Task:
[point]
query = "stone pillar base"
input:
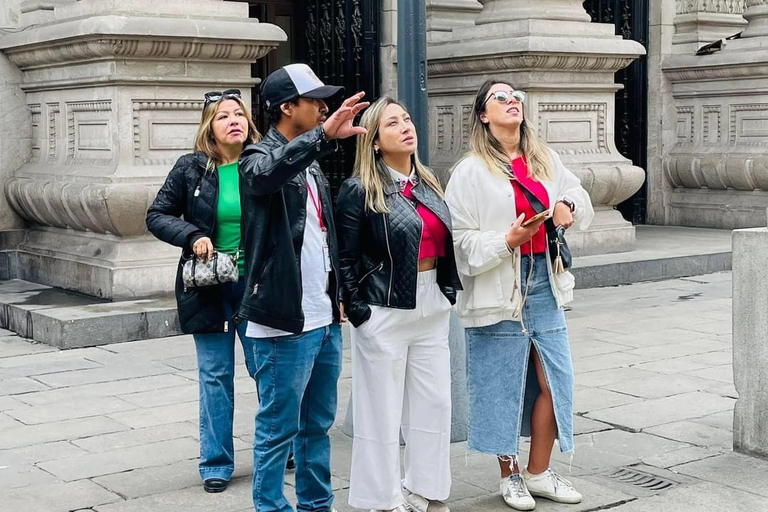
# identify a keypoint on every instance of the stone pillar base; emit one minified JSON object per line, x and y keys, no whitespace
{"x":750,"y":340}
{"x":718,"y":209}
{"x":106,"y":266}
{"x":609,"y":233}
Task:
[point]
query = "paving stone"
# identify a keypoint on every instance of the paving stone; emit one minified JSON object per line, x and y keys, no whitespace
{"x":666,"y":460}
{"x":603,"y":377}
{"x":156,"y":348}
{"x":717,"y":358}
{"x":582,"y":425}
{"x":640,"y":338}
{"x":589,"y":348}
{"x":663,"y":410}
{"x":89,"y":465}
{"x":671,"y":351}
{"x":722,"y":373}
{"x":59,"y":497}
{"x":663,"y":385}
{"x":32,"y":415}
{"x":176,"y":413}
{"x":20,"y":385}
{"x":182,"y":363}
{"x":154,"y":480}
{"x":9,"y":402}
{"x":13,"y":477}
{"x":613,"y":448}
{"x":695,"y":433}
{"x":697,"y":498}
{"x":40,"y":369}
{"x":115,"y":388}
{"x":187,"y":393}
{"x":606,"y":362}
{"x":722,"y":420}
{"x":593,"y":399}
{"x":672,"y":366}
{"x":732,"y":470}
{"x":138,"y":437}
{"x":192,"y":499}
{"x":6,"y":422}
{"x":39,"y":453}
{"x":12,"y":345}
{"x":63,"y":430}
{"x":50,"y":358}
{"x":106,"y":374}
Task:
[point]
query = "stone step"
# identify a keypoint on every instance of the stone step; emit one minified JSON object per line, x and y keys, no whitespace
{"x":68,"y":320}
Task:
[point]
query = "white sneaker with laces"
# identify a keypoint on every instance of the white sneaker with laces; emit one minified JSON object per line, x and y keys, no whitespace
{"x":515,"y":493}
{"x":421,"y":504}
{"x":552,"y":486}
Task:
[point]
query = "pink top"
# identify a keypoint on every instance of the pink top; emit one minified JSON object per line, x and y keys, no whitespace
{"x":433,"y":232}
{"x":522,"y":205}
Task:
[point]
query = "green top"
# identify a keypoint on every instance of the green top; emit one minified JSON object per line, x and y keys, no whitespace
{"x":228,"y":214}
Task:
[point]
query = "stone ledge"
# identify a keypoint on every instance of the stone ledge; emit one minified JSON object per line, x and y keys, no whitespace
{"x":68,"y":320}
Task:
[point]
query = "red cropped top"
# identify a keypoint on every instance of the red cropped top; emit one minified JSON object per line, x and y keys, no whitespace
{"x":433,"y":231}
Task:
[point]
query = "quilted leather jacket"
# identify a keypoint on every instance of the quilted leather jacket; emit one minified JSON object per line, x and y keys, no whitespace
{"x":379,"y":253}
{"x":183,"y":211}
{"x":273,"y":194}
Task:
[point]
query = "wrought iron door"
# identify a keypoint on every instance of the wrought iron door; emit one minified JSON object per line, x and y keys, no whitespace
{"x":631,"y":19}
{"x":341,"y":43}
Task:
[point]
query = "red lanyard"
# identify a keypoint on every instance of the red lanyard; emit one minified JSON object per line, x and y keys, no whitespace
{"x":318,"y":205}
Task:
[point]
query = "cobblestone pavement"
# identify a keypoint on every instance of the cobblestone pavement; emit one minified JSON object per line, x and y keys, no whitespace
{"x":114,"y":428}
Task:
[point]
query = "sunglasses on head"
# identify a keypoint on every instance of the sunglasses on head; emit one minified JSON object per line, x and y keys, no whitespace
{"x":214,"y":96}
{"x":503,"y":97}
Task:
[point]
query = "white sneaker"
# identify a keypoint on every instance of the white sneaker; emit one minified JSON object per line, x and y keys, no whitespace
{"x":552,"y":486}
{"x":515,"y":493}
{"x":399,"y":508}
{"x":421,"y":504}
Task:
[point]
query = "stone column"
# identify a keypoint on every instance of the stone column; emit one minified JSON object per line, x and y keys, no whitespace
{"x":717,"y":167}
{"x":566,"y":64}
{"x":699,"y":22}
{"x":750,"y":340}
{"x":445,"y":15}
{"x":114,"y":90}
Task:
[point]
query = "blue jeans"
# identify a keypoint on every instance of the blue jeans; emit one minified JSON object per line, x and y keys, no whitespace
{"x":296,"y":377}
{"x":216,"y":370}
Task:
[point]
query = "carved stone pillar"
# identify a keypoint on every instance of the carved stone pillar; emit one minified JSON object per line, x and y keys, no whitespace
{"x":699,"y":22}
{"x":114,"y":90}
{"x":566,"y":64}
{"x":445,"y":15}
{"x":718,"y":168}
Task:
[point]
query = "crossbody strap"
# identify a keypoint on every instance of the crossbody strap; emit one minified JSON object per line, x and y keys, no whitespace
{"x":536,"y":204}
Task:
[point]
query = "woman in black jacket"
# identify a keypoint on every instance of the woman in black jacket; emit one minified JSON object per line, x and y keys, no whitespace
{"x":399,"y":282}
{"x":198,"y":209}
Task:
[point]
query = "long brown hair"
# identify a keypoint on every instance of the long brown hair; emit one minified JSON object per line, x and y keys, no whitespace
{"x":204,"y":139}
{"x":483,"y":143}
{"x":369,"y":165}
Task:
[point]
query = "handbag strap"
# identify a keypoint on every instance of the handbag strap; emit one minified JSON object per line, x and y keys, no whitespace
{"x":536,"y":204}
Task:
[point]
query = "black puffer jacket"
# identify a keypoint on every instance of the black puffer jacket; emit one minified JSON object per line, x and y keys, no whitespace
{"x":184,"y":211}
{"x":379,"y":253}
{"x":273,"y":193}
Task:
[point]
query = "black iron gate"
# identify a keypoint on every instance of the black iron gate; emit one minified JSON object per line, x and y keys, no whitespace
{"x":630,"y":17}
{"x":339,"y":39}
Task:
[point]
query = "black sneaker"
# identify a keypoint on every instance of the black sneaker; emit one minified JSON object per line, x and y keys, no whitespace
{"x":291,"y":464}
{"x":214,"y":485}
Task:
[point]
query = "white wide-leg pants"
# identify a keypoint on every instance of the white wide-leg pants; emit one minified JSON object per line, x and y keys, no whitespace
{"x":401,"y":377}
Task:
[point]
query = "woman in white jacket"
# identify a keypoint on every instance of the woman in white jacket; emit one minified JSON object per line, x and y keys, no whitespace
{"x":519,"y":369}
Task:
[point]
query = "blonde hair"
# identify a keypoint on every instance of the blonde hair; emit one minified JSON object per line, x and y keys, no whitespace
{"x":204,"y":139}
{"x":370,"y":166}
{"x":483,"y":143}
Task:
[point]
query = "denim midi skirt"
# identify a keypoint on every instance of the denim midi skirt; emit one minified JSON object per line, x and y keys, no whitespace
{"x":501,"y":377}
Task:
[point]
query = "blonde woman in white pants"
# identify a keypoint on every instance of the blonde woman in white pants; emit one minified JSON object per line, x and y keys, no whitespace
{"x":399,"y":280}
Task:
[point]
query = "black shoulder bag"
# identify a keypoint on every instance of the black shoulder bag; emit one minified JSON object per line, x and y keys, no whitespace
{"x":559,"y":253}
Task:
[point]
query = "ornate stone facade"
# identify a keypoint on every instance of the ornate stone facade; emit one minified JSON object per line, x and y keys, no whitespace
{"x":717,"y":168}
{"x":567,"y":70}
{"x":114,"y":93}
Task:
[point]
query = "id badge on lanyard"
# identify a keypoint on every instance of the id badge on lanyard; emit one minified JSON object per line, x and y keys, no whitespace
{"x":323,"y":229}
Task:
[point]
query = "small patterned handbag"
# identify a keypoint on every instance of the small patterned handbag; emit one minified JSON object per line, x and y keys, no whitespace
{"x":221,"y":268}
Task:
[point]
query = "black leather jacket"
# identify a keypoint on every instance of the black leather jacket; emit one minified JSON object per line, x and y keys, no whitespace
{"x":273,"y":191}
{"x":379,"y":253}
{"x":183,"y":211}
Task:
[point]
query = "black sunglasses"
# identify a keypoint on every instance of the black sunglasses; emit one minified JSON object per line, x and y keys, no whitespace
{"x":213,"y":96}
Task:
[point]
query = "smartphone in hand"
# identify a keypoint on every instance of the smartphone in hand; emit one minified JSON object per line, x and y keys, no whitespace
{"x":535,"y":218}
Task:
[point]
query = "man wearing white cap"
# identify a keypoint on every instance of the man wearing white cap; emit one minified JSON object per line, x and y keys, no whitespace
{"x":292,"y":299}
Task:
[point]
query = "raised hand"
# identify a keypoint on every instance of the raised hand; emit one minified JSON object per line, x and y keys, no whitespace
{"x":339,"y":124}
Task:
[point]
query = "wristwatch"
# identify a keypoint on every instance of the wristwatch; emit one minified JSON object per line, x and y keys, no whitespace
{"x":567,"y":202}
